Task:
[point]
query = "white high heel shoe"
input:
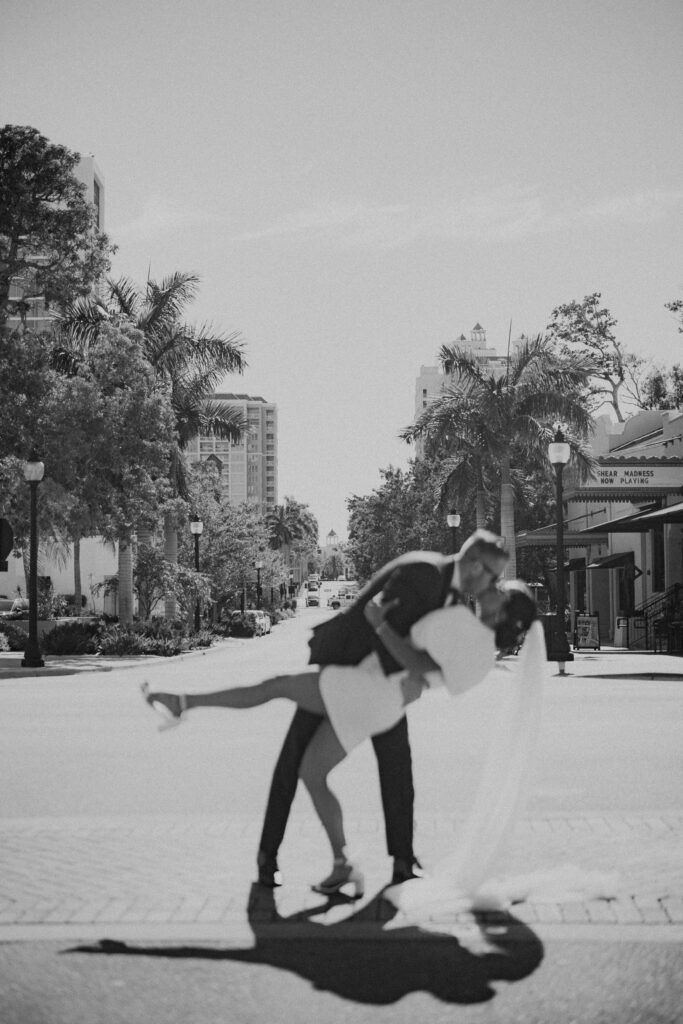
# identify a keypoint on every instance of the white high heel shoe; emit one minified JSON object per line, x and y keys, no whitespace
{"x":169,"y":720}
{"x":343,"y":874}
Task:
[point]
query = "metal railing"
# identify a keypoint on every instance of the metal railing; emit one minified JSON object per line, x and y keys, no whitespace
{"x":656,"y":614}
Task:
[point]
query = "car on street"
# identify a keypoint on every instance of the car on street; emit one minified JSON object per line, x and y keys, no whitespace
{"x":341,"y":599}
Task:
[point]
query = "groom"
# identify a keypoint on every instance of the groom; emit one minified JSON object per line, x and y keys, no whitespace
{"x":418,"y":582}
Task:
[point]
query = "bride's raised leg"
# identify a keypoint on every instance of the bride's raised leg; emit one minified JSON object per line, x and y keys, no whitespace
{"x":301,"y":687}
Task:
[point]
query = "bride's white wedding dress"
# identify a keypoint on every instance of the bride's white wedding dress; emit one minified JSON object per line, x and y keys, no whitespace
{"x":464,"y":880}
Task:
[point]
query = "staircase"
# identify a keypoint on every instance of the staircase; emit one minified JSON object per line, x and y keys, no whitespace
{"x":657,"y":613}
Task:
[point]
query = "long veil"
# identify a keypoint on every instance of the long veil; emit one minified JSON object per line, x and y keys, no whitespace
{"x":457,"y":880}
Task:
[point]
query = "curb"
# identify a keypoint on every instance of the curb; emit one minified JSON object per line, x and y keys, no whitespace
{"x":234,"y":934}
{"x":68,"y":664}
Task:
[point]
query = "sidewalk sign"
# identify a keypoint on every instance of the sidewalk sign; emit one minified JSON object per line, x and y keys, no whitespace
{"x":586,"y":631}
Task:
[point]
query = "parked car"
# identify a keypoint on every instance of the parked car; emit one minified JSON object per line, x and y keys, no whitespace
{"x":264,"y":620}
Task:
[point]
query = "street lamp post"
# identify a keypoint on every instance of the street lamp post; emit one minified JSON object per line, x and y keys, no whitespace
{"x":33,"y":474}
{"x":558,"y":453}
{"x":258,"y":566}
{"x":453,"y":520}
{"x":196,"y":528}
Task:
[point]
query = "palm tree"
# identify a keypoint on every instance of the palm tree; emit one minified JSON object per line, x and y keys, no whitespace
{"x":465,"y":470}
{"x":483,"y":424}
{"x":290,"y":523}
{"x":189,"y":361}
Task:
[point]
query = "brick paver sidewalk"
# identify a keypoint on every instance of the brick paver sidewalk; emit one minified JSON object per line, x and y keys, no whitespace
{"x":188,"y":873}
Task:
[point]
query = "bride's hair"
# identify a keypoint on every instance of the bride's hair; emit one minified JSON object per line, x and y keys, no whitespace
{"x":518,"y":612}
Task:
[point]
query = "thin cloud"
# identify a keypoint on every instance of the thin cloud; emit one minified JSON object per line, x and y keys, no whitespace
{"x":323,"y":219}
{"x":161,"y":214}
{"x":494,"y":215}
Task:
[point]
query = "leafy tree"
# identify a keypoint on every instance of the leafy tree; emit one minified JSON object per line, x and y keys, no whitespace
{"x":506,"y":419}
{"x":104,"y":434}
{"x":48,"y":232}
{"x":190,"y":361}
{"x":155,"y":577}
{"x":663,"y":389}
{"x":586,"y":328}
{"x":676,"y":307}
{"x":117,"y":469}
{"x":233,"y":539}
{"x":401,"y":515}
{"x":333,"y":567}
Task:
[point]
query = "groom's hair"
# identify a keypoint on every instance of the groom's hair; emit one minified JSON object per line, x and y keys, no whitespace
{"x":483,"y":543}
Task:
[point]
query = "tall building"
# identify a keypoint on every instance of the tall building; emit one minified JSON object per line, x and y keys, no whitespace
{"x":431,"y":381}
{"x":38,"y":316}
{"x":248,"y":469}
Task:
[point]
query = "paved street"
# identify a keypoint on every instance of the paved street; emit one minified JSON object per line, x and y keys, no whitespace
{"x":136,"y":847}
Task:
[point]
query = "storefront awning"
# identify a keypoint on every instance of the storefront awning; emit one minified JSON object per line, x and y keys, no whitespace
{"x":615,"y":561}
{"x":621,"y":524}
{"x":546,"y":537}
{"x":670,"y":514}
{"x":641,"y":521}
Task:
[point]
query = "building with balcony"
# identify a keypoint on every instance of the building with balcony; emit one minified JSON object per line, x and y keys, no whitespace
{"x":248,"y":469}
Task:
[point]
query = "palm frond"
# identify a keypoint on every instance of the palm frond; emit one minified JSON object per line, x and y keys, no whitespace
{"x":126,"y":295}
{"x":223,"y":420}
{"x":80,"y":321}
{"x":165,"y":300}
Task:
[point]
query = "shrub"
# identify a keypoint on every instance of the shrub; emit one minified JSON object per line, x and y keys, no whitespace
{"x":220,"y":628}
{"x":158,"y":637}
{"x":72,"y":638}
{"x":241,"y":626}
{"x":17,"y":638}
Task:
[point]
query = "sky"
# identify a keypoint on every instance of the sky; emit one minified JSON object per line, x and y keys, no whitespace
{"x":358,"y":182}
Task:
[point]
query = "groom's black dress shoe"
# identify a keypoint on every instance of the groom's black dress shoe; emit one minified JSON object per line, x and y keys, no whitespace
{"x":405,"y":870}
{"x":269,"y":873}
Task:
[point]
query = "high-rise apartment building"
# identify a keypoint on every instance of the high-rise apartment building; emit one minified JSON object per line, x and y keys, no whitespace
{"x":248,"y":469}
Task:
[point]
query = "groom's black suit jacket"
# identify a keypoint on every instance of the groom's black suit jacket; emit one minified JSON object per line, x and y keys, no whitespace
{"x":419,"y":581}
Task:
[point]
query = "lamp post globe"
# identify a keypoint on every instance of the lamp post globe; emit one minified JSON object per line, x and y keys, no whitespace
{"x":196,"y":529}
{"x":558,"y":454}
{"x":34,"y":470}
{"x":453,"y":522}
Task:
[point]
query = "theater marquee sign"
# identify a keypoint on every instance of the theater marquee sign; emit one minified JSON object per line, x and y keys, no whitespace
{"x":635,"y":476}
{"x":628,"y":480}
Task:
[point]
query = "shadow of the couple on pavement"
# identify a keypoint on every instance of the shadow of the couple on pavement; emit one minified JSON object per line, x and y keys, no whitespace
{"x":376,"y":963}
